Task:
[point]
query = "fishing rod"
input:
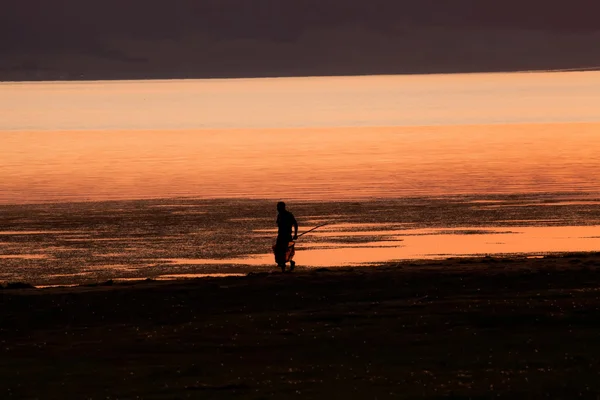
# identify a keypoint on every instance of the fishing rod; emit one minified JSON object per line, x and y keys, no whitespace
{"x":310,"y":230}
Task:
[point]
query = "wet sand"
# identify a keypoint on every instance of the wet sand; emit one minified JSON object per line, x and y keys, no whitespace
{"x":461,"y":328}
{"x":77,"y":243}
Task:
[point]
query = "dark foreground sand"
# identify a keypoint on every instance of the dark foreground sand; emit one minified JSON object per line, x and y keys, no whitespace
{"x":482,"y":328}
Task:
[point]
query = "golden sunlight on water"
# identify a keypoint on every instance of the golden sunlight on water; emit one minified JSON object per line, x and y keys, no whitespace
{"x":317,"y":163}
{"x":436,"y":244}
{"x":93,"y":241}
{"x":521,"y":150}
{"x":309,"y":138}
{"x":409,"y":100}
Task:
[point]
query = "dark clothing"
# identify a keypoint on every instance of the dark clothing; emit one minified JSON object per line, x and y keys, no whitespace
{"x":281,"y":249}
{"x":285,"y":223}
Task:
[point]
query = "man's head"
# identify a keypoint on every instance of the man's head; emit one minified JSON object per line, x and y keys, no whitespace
{"x":280,"y":206}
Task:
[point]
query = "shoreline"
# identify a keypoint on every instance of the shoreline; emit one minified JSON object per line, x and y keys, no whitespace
{"x":456,"y":263}
{"x":88,"y":243}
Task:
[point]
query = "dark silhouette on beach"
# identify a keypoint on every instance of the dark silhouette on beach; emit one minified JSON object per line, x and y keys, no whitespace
{"x":284,"y":246}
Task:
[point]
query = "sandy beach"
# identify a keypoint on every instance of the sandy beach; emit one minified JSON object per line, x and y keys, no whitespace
{"x":459,"y":328}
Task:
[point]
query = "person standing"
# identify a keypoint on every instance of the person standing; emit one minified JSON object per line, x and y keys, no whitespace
{"x":284,"y":243}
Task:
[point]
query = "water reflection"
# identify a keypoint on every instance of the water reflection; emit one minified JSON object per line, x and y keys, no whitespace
{"x":396,"y":100}
{"x":312,"y":163}
{"x":95,"y":242}
{"x":434,"y":244}
{"x":24,"y":256}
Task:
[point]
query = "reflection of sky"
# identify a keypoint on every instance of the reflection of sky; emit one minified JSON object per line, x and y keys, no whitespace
{"x":303,"y":102}
{"x":177,"y":149}
{"x":436,"y":243}
{"x":92,"y":242}
{"x":311,"y":163}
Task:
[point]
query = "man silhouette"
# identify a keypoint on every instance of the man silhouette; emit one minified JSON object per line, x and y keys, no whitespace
{"x":285,"y":222}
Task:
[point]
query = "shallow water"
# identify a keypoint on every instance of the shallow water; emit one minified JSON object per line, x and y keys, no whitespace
{"x":401,"y":167}
{"x":90,"y":242}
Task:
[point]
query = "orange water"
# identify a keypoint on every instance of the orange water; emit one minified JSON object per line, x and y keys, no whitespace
{"x":359,"y":101}
{"x":309,"y":138}
{"x":311,"y":141}
{"x":308,"y":163}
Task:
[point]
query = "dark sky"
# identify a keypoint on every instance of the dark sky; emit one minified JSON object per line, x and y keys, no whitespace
{"x":128,"y":39}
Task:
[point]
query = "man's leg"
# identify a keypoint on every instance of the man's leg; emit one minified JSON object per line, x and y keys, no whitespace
{"x":280,"y":252}
{"x":290,"y":255}
{"x":281,"y":260}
